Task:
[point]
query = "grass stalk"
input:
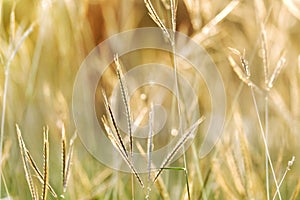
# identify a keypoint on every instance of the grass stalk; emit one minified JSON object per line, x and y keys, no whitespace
{"x":6,"y":80}
{"x":38,"y":173}
{"x":125,"y":99}
{"x":115,"y":142}
{"x":68,"y":162}
{"x":63,"y":152}
{"x":114,"y":124}
{"x":266,"y":76}
{"x":264,"y":141}
{"x":267,"y":133}
{"x":296,"y":191}
{"x":288,"y":168}
{"x":159,"y":184}
{"x":149,"y":150}
{"x":28,"y":174}
{"x":46,"y":164}
{"x":178,"y":145}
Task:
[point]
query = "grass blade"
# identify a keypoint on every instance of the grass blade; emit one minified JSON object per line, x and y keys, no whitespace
{"x":159,"y":184}
{"x":288,"y":168}
{"x":28,"y":175}
{"x":265,"y":54}
{"x":68,"y":162}
{"x":39,"y":175}
{"x":279,"y":66}
{"x":118,"y":146}
{"x":154,"y":16}
{"x":46,"y":164}
{"x":242,"y":75}
{"x":125,"y":100}
{"x":185,"y":175}
{"x":63,"y":153}
{"x":113,"y":122}
{"x":6,"y":81}
{"x":179,"y":144}
{"x":296,"y":191}
{"x":149,"y":149}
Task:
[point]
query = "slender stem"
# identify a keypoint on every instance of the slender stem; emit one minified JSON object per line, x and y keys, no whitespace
{"x":198,"y":171}
{"x":264,"y":140}
{"x":7,"y":70}
{"x":288,"y":168}
{"x":266,"y":135}
{"x":132,"y":187}
{"x":173,"y":22}
{"x":280,"y":183}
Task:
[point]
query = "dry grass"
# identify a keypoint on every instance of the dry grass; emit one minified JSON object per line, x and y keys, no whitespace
{"x":255,"y":45}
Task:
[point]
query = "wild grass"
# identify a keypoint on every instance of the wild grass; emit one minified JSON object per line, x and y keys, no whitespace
{"x":255,"y":47}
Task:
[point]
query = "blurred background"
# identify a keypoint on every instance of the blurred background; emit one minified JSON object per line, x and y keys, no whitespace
{"x":61,"y":33}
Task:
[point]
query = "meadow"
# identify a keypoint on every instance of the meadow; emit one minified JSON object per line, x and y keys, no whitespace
{"x":255,"y":46}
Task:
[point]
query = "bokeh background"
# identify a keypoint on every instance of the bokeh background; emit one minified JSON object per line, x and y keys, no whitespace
{"x":42,"y":73}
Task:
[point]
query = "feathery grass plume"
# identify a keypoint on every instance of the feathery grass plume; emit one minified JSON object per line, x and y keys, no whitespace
{"x":63,"y":151}
{"x":173,"y":6}
{"x":265,"y":54}
{"x":241,"y":74}
{"x":159,"y":184}
{"x":154,"y":16}
{"x":193,"y":7}
{"x":38,"y":173}
{"x":235,"y":172}
{"x":46,"y":163}
{"x":149,"y":149}
{"x":117,"y":145}
{"x":244,"y":75}
{"x":266,"y":76}
{"x":69,"y":162}
{"x":179,"y":144}
{"x":296,"y":191}
{"x":111,"y":135}
{"x":243,"y":61}
{"x":28,"y":175}
{"x":288,"y":168}
{"x":277,"y":70}
{"x":125,"y":99}
{"x":206,"y":30}
{"x":12,"y":24}
{"x":113,"y":122}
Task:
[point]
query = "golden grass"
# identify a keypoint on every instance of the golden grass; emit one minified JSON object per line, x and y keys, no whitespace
{"x":255,"y":45}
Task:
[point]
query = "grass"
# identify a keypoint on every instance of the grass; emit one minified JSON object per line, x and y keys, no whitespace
{"x":255,"y":47}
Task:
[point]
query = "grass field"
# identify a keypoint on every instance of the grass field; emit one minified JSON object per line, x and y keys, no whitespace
{"x":255,"y":46}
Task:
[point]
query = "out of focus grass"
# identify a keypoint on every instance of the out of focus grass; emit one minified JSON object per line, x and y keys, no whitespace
{"x":41,"y":77}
